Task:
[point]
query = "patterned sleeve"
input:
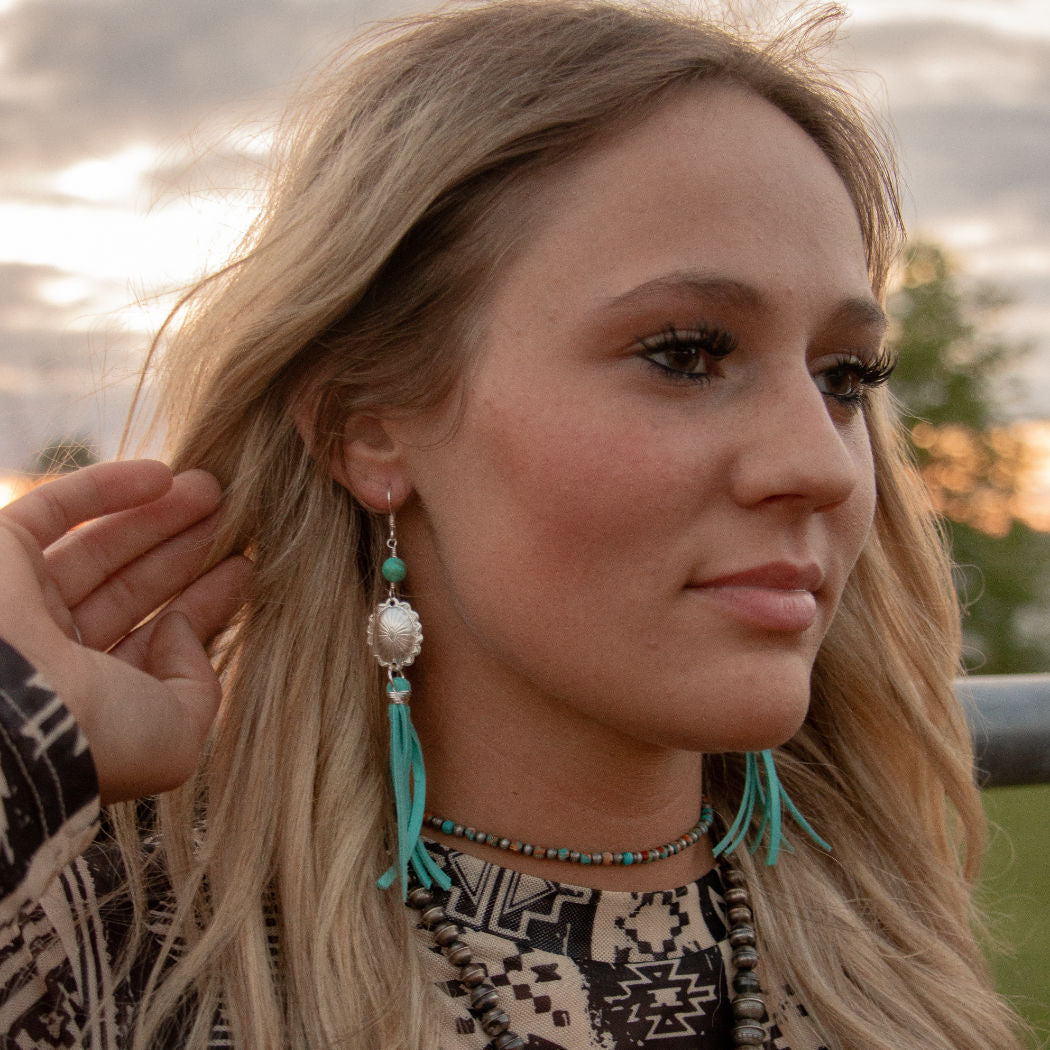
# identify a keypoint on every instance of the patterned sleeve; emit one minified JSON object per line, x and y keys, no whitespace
{"x":66,"y":920}
{"x":49,"y":811}
{"x":49,"y":803}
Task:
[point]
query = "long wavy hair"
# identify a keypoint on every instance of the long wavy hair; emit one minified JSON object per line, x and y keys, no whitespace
{"x":401,"y":184}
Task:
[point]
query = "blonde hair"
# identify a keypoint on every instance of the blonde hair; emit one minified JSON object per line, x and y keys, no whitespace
{"x":391,"y":205}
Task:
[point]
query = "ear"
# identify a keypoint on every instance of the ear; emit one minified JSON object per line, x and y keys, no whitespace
{"x":369,"y":463}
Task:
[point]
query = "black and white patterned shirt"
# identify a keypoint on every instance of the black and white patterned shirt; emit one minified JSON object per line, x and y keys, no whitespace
{"x":576,"y":968}
{"x":586,"y":969}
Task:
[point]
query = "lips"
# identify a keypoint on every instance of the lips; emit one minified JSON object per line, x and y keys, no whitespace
{"x":778,"y":596}
{"x":778,"y":575}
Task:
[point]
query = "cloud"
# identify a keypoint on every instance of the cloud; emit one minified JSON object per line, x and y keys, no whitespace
{"x":56,"y":380}
{"x":87,"y":77}
{"x":972,"y":113}
{"x":19,"y":282}
{"x":47,"y":298}
{"x":62,"y":384}
{"x":961,"y":156}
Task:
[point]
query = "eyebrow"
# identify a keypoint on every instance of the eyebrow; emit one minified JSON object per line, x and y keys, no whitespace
{"x":861,"y":312}
{"x":858,"y":311}
{"x":707,"y":286}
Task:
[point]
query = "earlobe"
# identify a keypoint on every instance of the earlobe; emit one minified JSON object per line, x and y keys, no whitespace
{"x":368,"y":463}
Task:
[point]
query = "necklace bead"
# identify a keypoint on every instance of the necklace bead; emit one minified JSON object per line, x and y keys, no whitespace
{"x":624,"y":858}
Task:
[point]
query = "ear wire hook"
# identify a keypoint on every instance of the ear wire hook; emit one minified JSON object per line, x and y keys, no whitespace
{"x":391,"y":540}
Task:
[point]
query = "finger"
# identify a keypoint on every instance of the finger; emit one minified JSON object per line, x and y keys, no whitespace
{"x":153,"y":744}
{"x":177,"y":657}
{"x":83,"y":560}
{"x":134,"y":593}
{"x":208,"y":605}
{"x":50,"y":510}
{"x":18,"y":546}
{"x":32,"y":615}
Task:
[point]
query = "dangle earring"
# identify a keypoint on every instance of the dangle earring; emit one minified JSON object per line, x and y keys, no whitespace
{"x":395,"y":638}
{"x":762,"y":788}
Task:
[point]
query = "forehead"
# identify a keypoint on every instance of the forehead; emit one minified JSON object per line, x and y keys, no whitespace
{"x":713,"y":178}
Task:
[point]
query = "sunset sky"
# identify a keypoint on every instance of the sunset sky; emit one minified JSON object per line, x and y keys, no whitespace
{"x":131,"y":132}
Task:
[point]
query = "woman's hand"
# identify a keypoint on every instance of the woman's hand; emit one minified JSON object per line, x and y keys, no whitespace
{"x":72,"y":601}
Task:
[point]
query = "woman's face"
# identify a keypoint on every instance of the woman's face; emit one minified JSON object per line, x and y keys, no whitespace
{"x":660,"y":475}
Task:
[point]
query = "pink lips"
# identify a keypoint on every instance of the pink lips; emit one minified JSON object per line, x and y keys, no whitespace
{"x":775,"y":597}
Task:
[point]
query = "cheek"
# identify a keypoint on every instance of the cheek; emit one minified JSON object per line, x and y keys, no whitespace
{"x":858,"y":514}
{"x":591,"y":484}
{"x":547,"y":511}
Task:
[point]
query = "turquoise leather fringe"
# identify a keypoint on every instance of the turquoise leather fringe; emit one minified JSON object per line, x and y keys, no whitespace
{"x":773,"y":800}
{"x":410,"y":785}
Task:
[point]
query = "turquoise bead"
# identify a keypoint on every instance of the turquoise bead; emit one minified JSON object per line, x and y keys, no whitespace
{"x":585,"y":858}
{"x":447,"y":827}
{"x":394,"y":570}
{"x":628,"y":858}
{"x":563,"y":854}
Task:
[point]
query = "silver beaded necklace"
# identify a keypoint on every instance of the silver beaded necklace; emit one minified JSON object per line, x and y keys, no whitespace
{"x":746,"y":1002}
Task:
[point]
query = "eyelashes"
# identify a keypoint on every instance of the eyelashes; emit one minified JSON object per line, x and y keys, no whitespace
{"x":691,"y":355}
{"x":848,"y":379}
{"x":687,"y":354}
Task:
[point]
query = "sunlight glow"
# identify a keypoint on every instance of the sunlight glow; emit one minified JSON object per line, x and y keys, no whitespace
{"x":113,"y":178}
{"x":989,"y":479}
{"x":66,"y":291}
{"x":1034,"y":497}
{"x":112,"y":245}
{"x":11,"y":487}
{"x":970,"y":234}
{"x":1025,"y":17}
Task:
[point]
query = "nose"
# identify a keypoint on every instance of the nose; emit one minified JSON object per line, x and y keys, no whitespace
{"x":801,"y":449}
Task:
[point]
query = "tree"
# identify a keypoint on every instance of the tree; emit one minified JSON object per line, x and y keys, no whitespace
{"x":951,"y":380}
{"x":62,"y":456}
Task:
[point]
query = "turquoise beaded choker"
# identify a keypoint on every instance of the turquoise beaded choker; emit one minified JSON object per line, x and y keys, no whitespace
{"x":572,"y":856}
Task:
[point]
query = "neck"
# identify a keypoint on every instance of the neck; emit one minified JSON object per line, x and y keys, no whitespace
{"x":529,"y":767}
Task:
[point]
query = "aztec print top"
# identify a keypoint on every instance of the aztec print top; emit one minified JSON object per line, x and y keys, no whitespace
{"x":576,"y":968}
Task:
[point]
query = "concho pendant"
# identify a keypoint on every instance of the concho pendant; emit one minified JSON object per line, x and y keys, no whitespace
{"x":395,"y":635}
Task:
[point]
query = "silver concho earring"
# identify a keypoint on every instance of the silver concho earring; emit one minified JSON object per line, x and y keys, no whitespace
{"x":395,"y":638}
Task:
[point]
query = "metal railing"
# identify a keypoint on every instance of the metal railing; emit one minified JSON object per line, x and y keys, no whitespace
{"x":1009,"y":717}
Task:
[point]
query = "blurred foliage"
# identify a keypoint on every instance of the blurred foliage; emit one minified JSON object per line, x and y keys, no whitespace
{"x":950,"y":362}
{"x":951,"y":380}
{"x":63,"y":455}
{"x":1013,"y":891}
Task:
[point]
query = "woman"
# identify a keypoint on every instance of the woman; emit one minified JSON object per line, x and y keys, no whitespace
{"x":563,"y":323}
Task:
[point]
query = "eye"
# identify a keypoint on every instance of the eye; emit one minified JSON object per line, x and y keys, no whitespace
{"x":687,"y":354}
{"x":848,"y":378}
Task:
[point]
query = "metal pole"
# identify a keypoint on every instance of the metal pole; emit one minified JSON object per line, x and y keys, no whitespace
{"x":1009,"y":717}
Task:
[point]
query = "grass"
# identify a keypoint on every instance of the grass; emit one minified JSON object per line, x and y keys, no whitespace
{"x":1016,"y":892}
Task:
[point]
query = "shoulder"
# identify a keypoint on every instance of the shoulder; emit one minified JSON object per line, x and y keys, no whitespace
{"x":74,"y":967}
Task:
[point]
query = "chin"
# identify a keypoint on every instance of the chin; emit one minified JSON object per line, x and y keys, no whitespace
{"x":758,"y":710}
{"x":746,"y":725}
{"x":761,"y":738}
{"x":764,"y":730}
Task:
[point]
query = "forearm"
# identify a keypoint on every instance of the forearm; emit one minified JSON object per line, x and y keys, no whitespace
{"x":49,"y":803}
